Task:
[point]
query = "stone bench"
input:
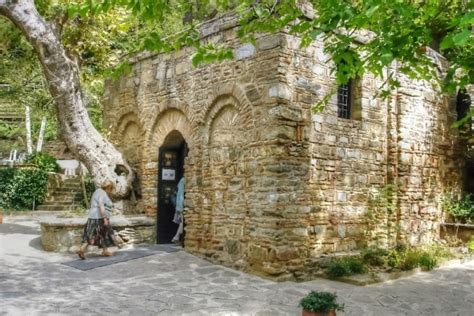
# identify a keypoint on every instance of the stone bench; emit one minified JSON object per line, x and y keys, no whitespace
{"x":64,"y":234}
{"x":461,"y":231}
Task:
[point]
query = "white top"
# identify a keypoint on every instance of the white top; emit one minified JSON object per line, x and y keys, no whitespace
{"x":99,"y":197}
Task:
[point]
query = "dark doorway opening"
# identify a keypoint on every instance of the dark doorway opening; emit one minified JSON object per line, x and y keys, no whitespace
{"x":170,"y":171}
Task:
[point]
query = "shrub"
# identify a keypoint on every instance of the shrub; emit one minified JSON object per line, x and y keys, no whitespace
{"x":6,"y":177}
{"x":375,"y":257}
{"x":22,"y":188}
{"x":28,"y":188}
{"x":427,"y":262}
{"x":337,"y":269}
{"x":410,"y":260}
{"x":461,"y":210}
{"x":355,"y":265}
{"x":394,"y":258}
{"x":346,"y":266}
{"x":321,"y":302}
{"x":470,"y":244}
{"x":90,"y":186}
{"x":43,"y":161}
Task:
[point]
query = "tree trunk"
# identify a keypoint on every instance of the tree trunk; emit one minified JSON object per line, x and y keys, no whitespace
{"x":29,"y":142}
{"x":39,"y":144}
{"x":62,"y":74}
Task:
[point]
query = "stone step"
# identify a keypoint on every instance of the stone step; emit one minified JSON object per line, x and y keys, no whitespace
{"x":66,"y":191}
{"x":76,"y":188}
{"x":64,"y":198}
{"x":38,"y":213}
{"x":66,"y":203}
{"x":69,"y":195}
{"x":57,"y":207}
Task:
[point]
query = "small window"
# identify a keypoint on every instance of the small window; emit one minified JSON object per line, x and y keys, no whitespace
{"x":349,"y":100}
{"x":344,"y":100}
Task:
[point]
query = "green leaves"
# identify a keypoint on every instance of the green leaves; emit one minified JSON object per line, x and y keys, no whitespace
{"x":210,"y":53}
{"x":22,"y":188}
{"x":458,"y":39}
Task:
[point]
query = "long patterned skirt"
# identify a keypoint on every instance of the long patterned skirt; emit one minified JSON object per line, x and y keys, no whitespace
{"x":97,"y":234}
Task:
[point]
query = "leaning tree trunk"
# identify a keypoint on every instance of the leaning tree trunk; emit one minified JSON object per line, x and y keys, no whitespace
{"x":62,"y":74}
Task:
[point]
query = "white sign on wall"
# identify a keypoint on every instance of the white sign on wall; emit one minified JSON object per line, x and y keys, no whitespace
{"x":168,"y":174}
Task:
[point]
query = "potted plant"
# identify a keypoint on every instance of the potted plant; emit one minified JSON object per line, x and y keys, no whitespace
{"x":320,"y":304}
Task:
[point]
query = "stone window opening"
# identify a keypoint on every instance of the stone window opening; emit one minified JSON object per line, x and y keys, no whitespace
{"x":349,"y":98}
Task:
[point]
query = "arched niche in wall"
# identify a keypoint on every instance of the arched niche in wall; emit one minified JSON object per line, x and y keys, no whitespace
{"x":129,"y":139}
{"x":168,"y":121}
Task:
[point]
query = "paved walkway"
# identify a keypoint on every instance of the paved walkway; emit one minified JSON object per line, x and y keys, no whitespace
{"x":34,"y":282}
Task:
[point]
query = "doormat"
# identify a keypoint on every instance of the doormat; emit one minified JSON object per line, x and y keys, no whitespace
{"x":93,"y":262}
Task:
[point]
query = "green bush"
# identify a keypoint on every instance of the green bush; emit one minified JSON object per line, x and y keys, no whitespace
{"x":427,"y":262}
{"x":337,"y":269}
{"x":90,"y":187}
{"x":461,"y":210}
{"x":6,"y":177}
{"x":394,"y":258}
{"x":23,"y":188}
{"x":321,"y":302}
{"x":470,"y":244}
{"x":346,"y":266}
{"x":375,"y":257}
{"x":28,"y":188}
{"x":43,"y":161}
{"x":410,"y":261}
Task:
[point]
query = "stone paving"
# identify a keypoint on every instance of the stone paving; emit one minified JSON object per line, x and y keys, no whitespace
{"x":34,"y":282}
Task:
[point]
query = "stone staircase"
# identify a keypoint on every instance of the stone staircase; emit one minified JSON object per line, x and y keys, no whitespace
{"x":10,"y":112}
{"x":67,"y":198}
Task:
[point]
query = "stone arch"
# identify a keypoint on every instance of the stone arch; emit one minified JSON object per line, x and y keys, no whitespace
{"x":124,"y":120}
{"x":233,"y":94}
{"x":168,"y":121}
{"x":227,"y":129}
{"x":167,"y":105}
{"x":221,"y":105}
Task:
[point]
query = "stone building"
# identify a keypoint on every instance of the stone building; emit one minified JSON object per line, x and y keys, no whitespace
{"x":270,"y":185}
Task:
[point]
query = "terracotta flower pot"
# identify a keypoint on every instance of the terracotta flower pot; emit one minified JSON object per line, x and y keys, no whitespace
{"x":331,"y":312}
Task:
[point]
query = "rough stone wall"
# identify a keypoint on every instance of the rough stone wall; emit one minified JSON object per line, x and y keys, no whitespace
{"x":269,"y":185}
{"x":429,"y":161}
{"x":377,"y":178}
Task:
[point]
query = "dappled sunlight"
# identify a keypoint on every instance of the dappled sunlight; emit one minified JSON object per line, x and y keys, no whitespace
{"x":36,"y":282}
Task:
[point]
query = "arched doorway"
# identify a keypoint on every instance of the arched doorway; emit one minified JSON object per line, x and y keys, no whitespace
{"x":170,"y":170}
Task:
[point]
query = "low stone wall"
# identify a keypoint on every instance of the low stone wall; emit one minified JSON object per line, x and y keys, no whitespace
{"x":64,"y":234}
{"x":461,"y":231}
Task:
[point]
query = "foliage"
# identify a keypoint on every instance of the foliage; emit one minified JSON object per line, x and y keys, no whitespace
{"x":381,"y":205}
{"x":6,"y":177}
{"x":320,"y":302}
{"x":408,"y":258}
{"x":345,"y":267}
{"x":375,"y":256}
{"x":9,"y":130}
{"x":24,"y":188}
{"x":405,"y":258}
{"x":461,"y":209}
{"x":43,"y":161}
{"x":90,"y":186}
{"x":97,"y":42}
{"x":400,"y":30}
{"x":427,"y":262}
{"x":470,"y":244}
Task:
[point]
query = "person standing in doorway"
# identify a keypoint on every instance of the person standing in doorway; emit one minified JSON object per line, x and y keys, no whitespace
{"x":98,"y":231}
{"x":178,"y":214}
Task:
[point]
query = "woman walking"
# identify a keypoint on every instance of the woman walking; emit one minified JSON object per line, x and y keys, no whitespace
{"x":98,"y":231}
